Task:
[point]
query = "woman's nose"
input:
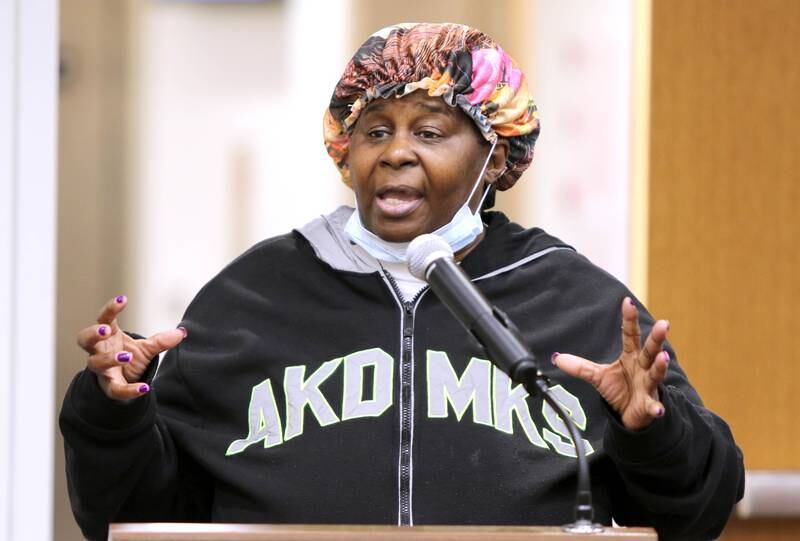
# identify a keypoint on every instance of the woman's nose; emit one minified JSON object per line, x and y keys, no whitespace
{"x":399,"y":152}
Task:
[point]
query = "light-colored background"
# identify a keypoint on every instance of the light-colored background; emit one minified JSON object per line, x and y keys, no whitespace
{"x":187,"y":131}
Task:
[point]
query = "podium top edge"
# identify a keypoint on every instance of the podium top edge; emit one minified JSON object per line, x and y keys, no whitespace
{"x":359,"y":532}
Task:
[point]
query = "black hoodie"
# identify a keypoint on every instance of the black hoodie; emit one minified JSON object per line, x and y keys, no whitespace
{"x":309,"y":391}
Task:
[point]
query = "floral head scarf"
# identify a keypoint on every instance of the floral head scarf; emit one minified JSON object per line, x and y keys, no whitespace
{"x":462,"y":65}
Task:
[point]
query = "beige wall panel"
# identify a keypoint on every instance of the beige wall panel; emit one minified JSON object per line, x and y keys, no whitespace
{"x":506,"y":21}
{"x":90,"y":213}
{"x":725,"y":216}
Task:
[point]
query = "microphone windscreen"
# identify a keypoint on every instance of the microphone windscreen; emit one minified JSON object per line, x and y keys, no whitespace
{"x":424,"y":250}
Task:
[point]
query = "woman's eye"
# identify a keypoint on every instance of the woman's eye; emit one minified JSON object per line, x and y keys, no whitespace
{"x":377,"y":133}
{"x":429,"y":134}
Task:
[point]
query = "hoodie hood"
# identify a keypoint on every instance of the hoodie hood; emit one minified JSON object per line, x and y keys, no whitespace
{"x":505,"y":244}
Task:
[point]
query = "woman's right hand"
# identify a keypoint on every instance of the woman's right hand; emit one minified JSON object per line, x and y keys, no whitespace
{"x":119,"y":360}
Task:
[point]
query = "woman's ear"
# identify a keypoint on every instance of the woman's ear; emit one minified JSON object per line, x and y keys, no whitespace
{"x":497,"y":163}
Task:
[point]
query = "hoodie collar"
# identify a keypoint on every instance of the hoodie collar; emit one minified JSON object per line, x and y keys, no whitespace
{"x":504,"y":243}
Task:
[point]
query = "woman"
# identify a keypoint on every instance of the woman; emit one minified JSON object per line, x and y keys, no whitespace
{"x":315,"y":380}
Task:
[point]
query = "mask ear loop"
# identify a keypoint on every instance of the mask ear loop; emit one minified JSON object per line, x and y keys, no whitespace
{"x":480,"y":177}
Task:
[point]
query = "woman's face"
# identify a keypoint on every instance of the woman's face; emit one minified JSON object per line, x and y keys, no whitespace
{"x":413,"y":162}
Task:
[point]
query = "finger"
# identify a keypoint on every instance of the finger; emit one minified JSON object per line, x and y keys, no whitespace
{"x":631,"y":333}
{"x":126,"y":391}
{"x":654,"y":343}
{"x":163,"y":341}
{"x":655,"y":408}
{"x":658,"y":372}
{"x":578,"y":367}
{"x":99,"y":362}
{"x":643,"y":415}
{"x":90,"y":336}
{"x":111,"y":309}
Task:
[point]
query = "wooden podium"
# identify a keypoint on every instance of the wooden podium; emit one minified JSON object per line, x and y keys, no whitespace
{"x":318,"y":532}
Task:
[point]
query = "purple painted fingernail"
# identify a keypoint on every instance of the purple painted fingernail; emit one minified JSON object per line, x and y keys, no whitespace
{"x":124,"y":357}
{"x":553,"y":358}
{"x":630,"y":301}
{"x":665,"y":354}
{"x":144,"y":388}
{"x":660,"y":411}
{"x":120,"y":299}
{"x":102,"y":330}
{"x":184,"y":331}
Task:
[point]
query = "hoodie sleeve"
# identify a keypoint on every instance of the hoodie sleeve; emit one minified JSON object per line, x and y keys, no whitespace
{"x":682,"y":474}
{"x":122,"y":464}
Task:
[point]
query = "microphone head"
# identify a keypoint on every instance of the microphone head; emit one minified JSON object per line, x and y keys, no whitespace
{"x":424,"y":250}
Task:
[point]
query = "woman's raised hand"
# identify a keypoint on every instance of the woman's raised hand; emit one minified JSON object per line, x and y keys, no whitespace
{"x":629,"y":384}
{"x":119,"y":360}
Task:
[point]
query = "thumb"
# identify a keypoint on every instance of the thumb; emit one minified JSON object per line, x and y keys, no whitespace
{"x":164,"y":340}
{"x":578,"y":367}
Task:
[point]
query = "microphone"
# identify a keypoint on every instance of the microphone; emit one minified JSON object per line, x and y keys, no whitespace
{"x":430,"y":258}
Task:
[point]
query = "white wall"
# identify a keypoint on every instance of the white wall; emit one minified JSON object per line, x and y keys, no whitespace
{"x":583,"y":62}
{"x":28,"y":90}
{"x":227,"y":138}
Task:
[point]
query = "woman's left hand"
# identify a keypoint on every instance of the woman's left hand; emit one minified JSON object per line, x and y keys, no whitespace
{"x":629,"y":384}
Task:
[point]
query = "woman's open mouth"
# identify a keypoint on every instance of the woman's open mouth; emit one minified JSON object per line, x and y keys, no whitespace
{"x":398,"y":201}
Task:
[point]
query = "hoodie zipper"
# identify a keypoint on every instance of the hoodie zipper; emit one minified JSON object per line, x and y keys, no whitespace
{"x":405,"y":467}
{"x":405,"y":472}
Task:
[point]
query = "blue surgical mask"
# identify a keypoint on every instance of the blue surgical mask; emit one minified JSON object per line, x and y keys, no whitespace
{"x":459,"y":232}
